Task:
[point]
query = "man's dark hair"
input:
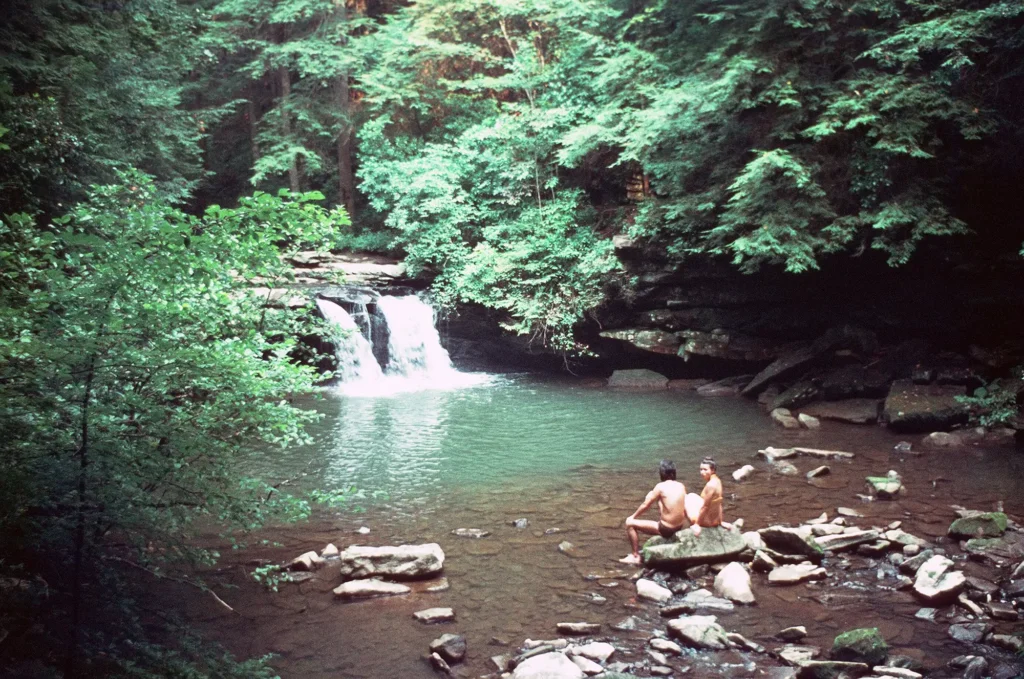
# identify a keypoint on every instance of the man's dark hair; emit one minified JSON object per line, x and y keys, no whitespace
{"x":667,"y":470}
{"x":710,"y":461}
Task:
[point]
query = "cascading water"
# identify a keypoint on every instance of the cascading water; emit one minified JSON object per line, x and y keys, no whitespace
{"x":354,"y":353}
{"x":415,"y":359}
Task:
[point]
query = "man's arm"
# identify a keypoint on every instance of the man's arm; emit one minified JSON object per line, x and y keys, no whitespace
{"x":651,"y":498}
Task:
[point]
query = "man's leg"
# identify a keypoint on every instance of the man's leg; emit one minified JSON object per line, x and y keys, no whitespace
{"x":693,"y":504}
{"x":633,"y":528}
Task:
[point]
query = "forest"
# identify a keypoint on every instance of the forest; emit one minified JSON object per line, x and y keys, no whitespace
{"x":159,"y":157}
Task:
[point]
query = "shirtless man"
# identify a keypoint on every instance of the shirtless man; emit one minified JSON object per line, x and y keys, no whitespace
{"x":706,"y":511}
{"x":670,"y":496}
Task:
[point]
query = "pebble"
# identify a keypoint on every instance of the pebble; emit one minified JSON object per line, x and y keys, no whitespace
{"x":430,"y":616}
{"x":911,"y":550}
{"x":846,"y":511}
{"x":363,"y":530}
{"x":520,"y":523}
{"x":661,"y":671}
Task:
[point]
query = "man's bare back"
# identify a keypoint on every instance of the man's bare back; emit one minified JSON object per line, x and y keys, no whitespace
{"x":671,"y":498}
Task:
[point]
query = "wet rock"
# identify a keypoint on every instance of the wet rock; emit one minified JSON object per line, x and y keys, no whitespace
{"x":910,"y":550}
{"x":911,"y":566}
{"x":822,"y":519}
{"x":439,"y":664}
{"x":589,"y":667}
{"x":752,"y":539}
{"x":847,"y":540}
{"x":771,"y":454}
{"x":440,"y":585}
{"x":725,"y":345}
{"x":784,"y":468}
{"x":799,"y":394}
{"x":434,"y":615}
{"x":1001,"y":611}
{"x":658,"y":657}
{"x":579,"y":628}
{"x":365,"y":589}
{"x":404,"y":561}
{"x":784,"y":418}
{"x":660,"y":671}
{"x":686,"y":549}
{"x":552,"y":665}
{"x":730,"y":386}
{"x":733,"y":582}
{"x":901,"y":537}
{"x":666,"y":646}
{"x":795,"y":655}
{"x":656,"y":341}
{"x":976,"y":668}
{"x":885,"y":487}
{"x":826,"y":529}
{"x":566,"y":547}
{"x":687,"y":384}
{"x":743,"y":473}
{"x":984,"y":525}
{"x":520,"y":523}
{"x":981,"y":586}
{"x":475,"y":533}
{"x":792,"y":541}
{"x":792,"y":633}
{"x":853,"y":411}
{"x":762,"y":562}
{"x":913,"y":407}
{"x":846,"y":511}
{"x":310,"y":561}
{"x":699,"y":631}
{"x":451,"y":647}
{"x":926,"y":614}
{"x":852,"y":381}
{"x":874,"y":549}
{"x":828,"y":454}
{"x":329,"y":552}
{"x":703,"y":600}
{"x":971,"y":607}
{"x":823,"y":470}
{"x":969,"y":633}
{"x":865,"y":645}
{"x":637,"y":379}
{"x":941,"y":439}
{"x":501,"y":662}
{"x":598,"y":651}
{"x":937,"y":581}
{"x":627,"y":624}
{"x":1014,"y":644}
{"x":796,"y":573}
{"x":648,"y":589}
{"x":744,"y":643}
{"x":898,"y":672}
{"x":831,"y":669}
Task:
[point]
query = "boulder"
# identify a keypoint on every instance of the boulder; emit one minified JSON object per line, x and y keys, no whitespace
{"x":686,"y":549}
{"x":854,"y":381}
{"x":433,"y":615}
{"x":733,"y":582}
{"x":844,"y":541}
{"x":937,"y":582}
{"x":743,"y":473}
{"x":403,"y":561}
{"x":854,"y":411}
{"x":365,"y":589}
{"x":551,"y":665}
{"x":808,"y":421}
{"x":923,"y":408}
{"x":784,"y":419}
{"x":792,"y":541}
{"x":649,"y":589}
{"x":637,"y":379}
{"x":792,"y":574}
{"x":451,"y":647}
{"x":655,"y":341}
{"x":865,"y":645}
{"x":983,"y":525}
{"x":699,"y":631}
{"x":771,"y":454}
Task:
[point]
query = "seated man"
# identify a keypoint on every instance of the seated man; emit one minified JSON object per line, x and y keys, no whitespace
{"x":705,"y":511}
{"x":669,"y":494}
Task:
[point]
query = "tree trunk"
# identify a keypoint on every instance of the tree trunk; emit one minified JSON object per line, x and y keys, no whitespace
{"x":285,"y":80}
{"x":346,"y":179}
{"x":250,"y":113}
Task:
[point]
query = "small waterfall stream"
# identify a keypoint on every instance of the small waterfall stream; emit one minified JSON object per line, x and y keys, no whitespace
{"x":414,"y":359}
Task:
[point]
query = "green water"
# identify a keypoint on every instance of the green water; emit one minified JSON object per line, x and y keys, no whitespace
{"x":408,"y":449}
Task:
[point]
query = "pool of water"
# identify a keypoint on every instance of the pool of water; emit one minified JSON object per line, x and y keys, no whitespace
{"x":576,"y":459}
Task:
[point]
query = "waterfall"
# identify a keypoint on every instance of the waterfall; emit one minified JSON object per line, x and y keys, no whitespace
{"x":413,"y":354}
{"x":356,"y":362}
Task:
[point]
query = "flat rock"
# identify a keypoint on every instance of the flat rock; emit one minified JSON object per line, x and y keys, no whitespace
{"x":792,"y":574}
{"x":703,"y":600}
{"x":923,"y":408}
{"x":792,"y":541}
{"x":440,"y":664}
{"x":781,"y":367}
{"x":578,"y":628}
{"x":763,"y":562}
{"x":771,"y":454}
{"x":655,"y":341}
{"x":451,"y":647}
{"x":885,"y":487}
{"x":1001,"y":611}
{"x":403,"y":561}
{"x":794,"y":654}
{"x":969,"y":633}
{"x":686,"y":549}
{"x":598,"y":651}
{"x":733,"y":582}
{"x":743,"y":473}
{"x":589,"y":667}
{"x":699,"y":631}
{"x":649,"y":589}
{"x":365,"y":589}
{"x":831,"y":669}
{"x":937,"y":582}
{"x":784,"y":418}
{"x":742,"y":642}
{"x":795,"y":633}
{"x":808,"y":421}
{"x":310,"y":561}
{"x":434,"y":615}
{"x":827,"y":454}
{"x":551,"y":665}
{"x":730,"y":386}
{"x":864,"y":645}
{"x":847,"y":512}
{"x":666,"y":646}
{"x":901,"y":537}
{"x":982,"y":525}
{"x":847,"y":540}
{"x":823,"y":470}
{"x":853,"y":411}
{"x":475,"y":533}
{"x":638,"y":379}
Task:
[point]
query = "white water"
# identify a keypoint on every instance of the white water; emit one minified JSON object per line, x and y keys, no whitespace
{"x":416,"y":359}
{"x":356,"y":363}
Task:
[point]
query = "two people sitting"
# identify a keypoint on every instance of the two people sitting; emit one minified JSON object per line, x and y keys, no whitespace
{"x":678,"y":509}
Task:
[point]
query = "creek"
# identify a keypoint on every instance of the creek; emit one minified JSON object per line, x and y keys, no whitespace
{"x":479,"y":451}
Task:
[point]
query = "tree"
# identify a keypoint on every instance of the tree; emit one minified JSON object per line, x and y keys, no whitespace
{"x":138,"y":364}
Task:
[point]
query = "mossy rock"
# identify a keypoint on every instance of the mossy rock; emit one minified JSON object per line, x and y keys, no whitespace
{"x":685,"y":549}
{"x":864,"y":645}
{"x":986,"y":525}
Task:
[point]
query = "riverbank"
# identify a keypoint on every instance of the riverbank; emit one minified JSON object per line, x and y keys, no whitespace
{"x":515,"y":584}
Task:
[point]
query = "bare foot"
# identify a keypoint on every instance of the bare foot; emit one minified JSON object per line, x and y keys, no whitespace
{"x":632,"y":560}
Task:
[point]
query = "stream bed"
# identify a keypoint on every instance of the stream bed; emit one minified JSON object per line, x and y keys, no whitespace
{"x":577,"y":459}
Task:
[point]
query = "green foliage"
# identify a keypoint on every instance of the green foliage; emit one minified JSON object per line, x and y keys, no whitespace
{"x":998,"y":403}
{"x":139,"y":366}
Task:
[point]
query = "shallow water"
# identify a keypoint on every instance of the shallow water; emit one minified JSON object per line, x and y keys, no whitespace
{"x":576,"y":459}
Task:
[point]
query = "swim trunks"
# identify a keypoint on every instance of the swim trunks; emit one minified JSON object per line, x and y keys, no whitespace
{"x":667,"y":532}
